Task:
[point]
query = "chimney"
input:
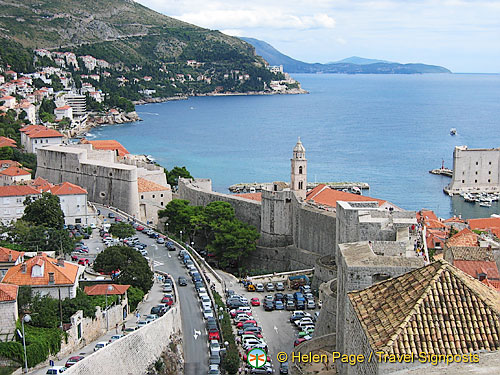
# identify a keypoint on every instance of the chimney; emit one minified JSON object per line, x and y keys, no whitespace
{"x":60,"y":262}
{"x":23,"y":268}
{"x":51,"y":278}
{"x":10,"y":256}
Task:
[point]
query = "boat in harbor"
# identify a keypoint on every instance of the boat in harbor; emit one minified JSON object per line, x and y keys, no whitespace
{"x":485,"y":204}
{"x":453,"y":131}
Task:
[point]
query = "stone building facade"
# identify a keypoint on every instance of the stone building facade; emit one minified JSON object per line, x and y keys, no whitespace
{"x":475,"y":170}
{"x":8,"y":311}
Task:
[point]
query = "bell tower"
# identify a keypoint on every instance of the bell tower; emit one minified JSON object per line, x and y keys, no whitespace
{"x":299,"y":170}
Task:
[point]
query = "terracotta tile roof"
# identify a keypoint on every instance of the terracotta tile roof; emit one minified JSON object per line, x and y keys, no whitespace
{"x":454,"y":219}
{"x":7,"y":142}
{"x":67,"y":188}
{"x":10,"y":163}
{"x":495,"y":284}
{"x":8,"y":97}
{"x":325,"y":195}
{"x":62,"y":275}
{"x":253,"y":196}
{"x":64,"y":107}
{"x":39,"y":182}
{"x":485,"y":223}
{"x":15,"y":171}
{"x":471,"y":253}
{"x":435,"y":309}
{"x":17,"y":191}
{"x":434,"y":224}
{"x":4,"y":254}
{"x":108,"y":145}
{"x":477,"y":267}
{"x":144,"y":185}
{"x":40,"y":131}
{"x":426,"y":214}
{"x":100,"y":289}
{"x":465,"y":237}
{"x":8,"y":292}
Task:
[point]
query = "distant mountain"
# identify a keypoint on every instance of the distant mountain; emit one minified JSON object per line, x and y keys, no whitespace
{"x":360,"y":61}
{"x":351,"y":65}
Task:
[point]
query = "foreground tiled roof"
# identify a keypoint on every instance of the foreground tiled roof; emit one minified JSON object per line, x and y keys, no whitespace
{"x":325,"y":195}
{"x":17,"y":191}
{"x":100,"y":289}
{"x":471,"y":253}
{"x":426,"y":215}
{"x":15,"y":171}
{"x":8,"y":292}
{"x":110,"y":144}
{"x":253,"y":196}
{"x":465,"y":237}
{"x":4,"y":254}
{"x":62,"y":275}
{"x":144,"y":185}
{"x":477,"y":267}
{"x":485,"y":223}
{"x":435,"y":309}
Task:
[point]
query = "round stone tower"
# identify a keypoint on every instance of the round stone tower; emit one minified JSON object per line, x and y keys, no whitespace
{"x":299,"y":170}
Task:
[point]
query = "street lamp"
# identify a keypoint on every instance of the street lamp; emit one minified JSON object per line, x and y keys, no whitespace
{"x":108,"y":289}
{"x":155,"y":248}
{"x":167,"y":227}
{"x":26,"y":319}
{"x":192,"y":244}
{"x":181,"y":234}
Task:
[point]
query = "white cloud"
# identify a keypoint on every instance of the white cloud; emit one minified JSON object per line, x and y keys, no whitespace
{"x":233,"y":32}
{"x":341,"y":41}
{"x":263,"y":18}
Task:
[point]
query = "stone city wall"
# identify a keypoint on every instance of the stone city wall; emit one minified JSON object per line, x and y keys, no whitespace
{"x":326,"y":323}
{"x":325,"y":269}
{"x":136,"y":351}
{"x":324,"y":343}
{"x":314,"y":230}
{"x":280,"y":259}
{"x":201,"y":195}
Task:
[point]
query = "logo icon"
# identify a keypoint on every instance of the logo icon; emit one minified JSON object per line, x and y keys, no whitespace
{"x":257,"y":358}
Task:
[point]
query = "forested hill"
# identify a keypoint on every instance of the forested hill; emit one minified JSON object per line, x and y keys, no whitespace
{"x":352,"y":65}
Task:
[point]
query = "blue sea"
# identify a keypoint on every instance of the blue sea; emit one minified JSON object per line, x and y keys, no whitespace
{"x":386,"y":130}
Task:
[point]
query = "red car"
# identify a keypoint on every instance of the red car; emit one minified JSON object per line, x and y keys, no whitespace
{"x":83,"y":261}
{"x":72,"y":360}
{"x":256,"y":334}
{"x":255,"y":301}
{"x":299,"y":341}
{"x":140,"y":228}
{"x":213,"y":334}
{"x":118,"y":219}
{"x":244,"y":357}
{"x":167,"y":300}
{"x":233,"y":313}
{"x":240,"y":324}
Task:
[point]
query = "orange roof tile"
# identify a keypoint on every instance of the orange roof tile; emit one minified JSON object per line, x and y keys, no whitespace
{"x":100,"y":289}
{"x":454,"y":219}
{"x":110,"y":144}
{"x":40,"y":131}
{"x":426,"y":214}
{"x":144,"y":185}
{"x":434,"y":224}
{"x":253,"y":196}
{"x":323,"y":194}
{"x":15,"y":171}
{"x":7,"y":97}
{"x":465,"y":237}
{"x":495,"y":284}
{"x":5,"y":253}
{"x":7,"y":142}
{"x":8,"y":292}
{"x":39,"y":182}
{"x":17,"y":191}
{"x":484,"y":223}
{"x":67,"y":188}
{"x":10,"y":163}
{"x":62,"y":275}
{"x":476,"y":267}
{"x":64,"y":107}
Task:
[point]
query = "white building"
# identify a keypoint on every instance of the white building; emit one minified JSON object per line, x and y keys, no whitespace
{"x":74,"y":205}
{"x":475,"y":170}
{"x":14,"y":175}
{"x":46,"y":276}
{"x":30,"y":110}
{"x":64,"y":111}
{"x":35,"y":136}
{"x":9,"y":101}
{"x":11,"y":201}
{"x":152,"y":197}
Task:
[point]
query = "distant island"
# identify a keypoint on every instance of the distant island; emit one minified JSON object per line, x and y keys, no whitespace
{"x":351,"y":65}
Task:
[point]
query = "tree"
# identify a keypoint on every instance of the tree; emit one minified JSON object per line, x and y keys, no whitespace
{"x":24,"y":298}
{"x":40,"y":238}
{"x":122,"y":230}
{"x":45,"y":211}
{"x":134,"y":295}
{"x":134,"y":268}
{"x":178,"y":214}
{"x":233,"y":240}
{"x":175,"y":173}
{"x":6,"y":153}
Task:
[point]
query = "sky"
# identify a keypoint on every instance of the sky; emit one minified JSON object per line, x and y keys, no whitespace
{"x":462,"y":35}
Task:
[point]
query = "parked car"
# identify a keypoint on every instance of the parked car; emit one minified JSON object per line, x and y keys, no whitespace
{"x":170,"y":246}
{"x":182,"y":281}
{"x":280,"y":286}
{"x":143,"y":252}
{"x":72,"y":360}
{"x":139,"y":228}
{"x":100,"y":345}
{"x":208,"y":313}
{"x":290,"y":305}
{"x":249,"y":321}
{"x":141,"y":323}
{"x":167,"y":288}
{"x":151,"y":318}
{"x":270,"y":287}
{"x":160,"y":240}
{"x":54,"y":370}
{"x":259,"y":287}
{"x":268,"y":306}
{"x":297,"y":315}
{"x":278,"y":305}
{"x":256,"y":330}
{"x":114,"y":338}
{"x":110,"y":215}
{"x":214,"y":347}
{"x":213,"y":333}
{"x":311,"y":304}
{"x":214,"y":359}
{"x":279,"y":297}
{"x":167,"y":301}
{"x":255,"y":301}
{"x":129,"y":330}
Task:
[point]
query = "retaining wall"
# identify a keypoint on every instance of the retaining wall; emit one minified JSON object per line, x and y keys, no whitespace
{"x":133,"y":353}
{"x":326,"y":343}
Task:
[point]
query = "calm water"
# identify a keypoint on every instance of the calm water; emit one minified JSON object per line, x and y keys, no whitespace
{"x":387,"y":130}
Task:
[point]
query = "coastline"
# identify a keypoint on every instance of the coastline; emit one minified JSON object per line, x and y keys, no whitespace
{"x":95,"y":121}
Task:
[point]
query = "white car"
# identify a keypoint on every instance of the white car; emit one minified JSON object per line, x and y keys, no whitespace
{"x":208,"y":313}
{"x":100,"y":345}
{"x":214,"y":347}
{"x":311,"y":304}
{"x":114,"y":338}
{"x":254,"y":343}
{"x":304,"y":323}
{"x":93,"y":226}
{"x":242,"y":309}
{"x":241,"y":318}
{"x":54,"y":370}
{"x":143,"y":252}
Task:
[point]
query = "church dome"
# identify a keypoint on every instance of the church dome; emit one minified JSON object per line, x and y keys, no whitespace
{"x":299,"y":147}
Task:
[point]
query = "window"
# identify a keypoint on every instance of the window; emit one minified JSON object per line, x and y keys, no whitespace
{"x":463,"y":181}
{"x":6,"y":200}
{"x":300,"y":170}
{"x":475,"y":181}
{"x":489,"y":172}
{"x":161,"y":195}
{"x":161,"y":203}
{"x":477,"y":163}
{"x":19,"y":200}
{"x":142,"y":196}
{"x":301,"y":184}
{"x":489,"y":180}
{"x":153,"y":196}
{"x":78,"y":221}
{"x":476,"y":173}
{"x":489,"y":163}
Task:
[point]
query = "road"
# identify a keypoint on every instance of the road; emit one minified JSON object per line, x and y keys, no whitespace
{"x":195,"y":344}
